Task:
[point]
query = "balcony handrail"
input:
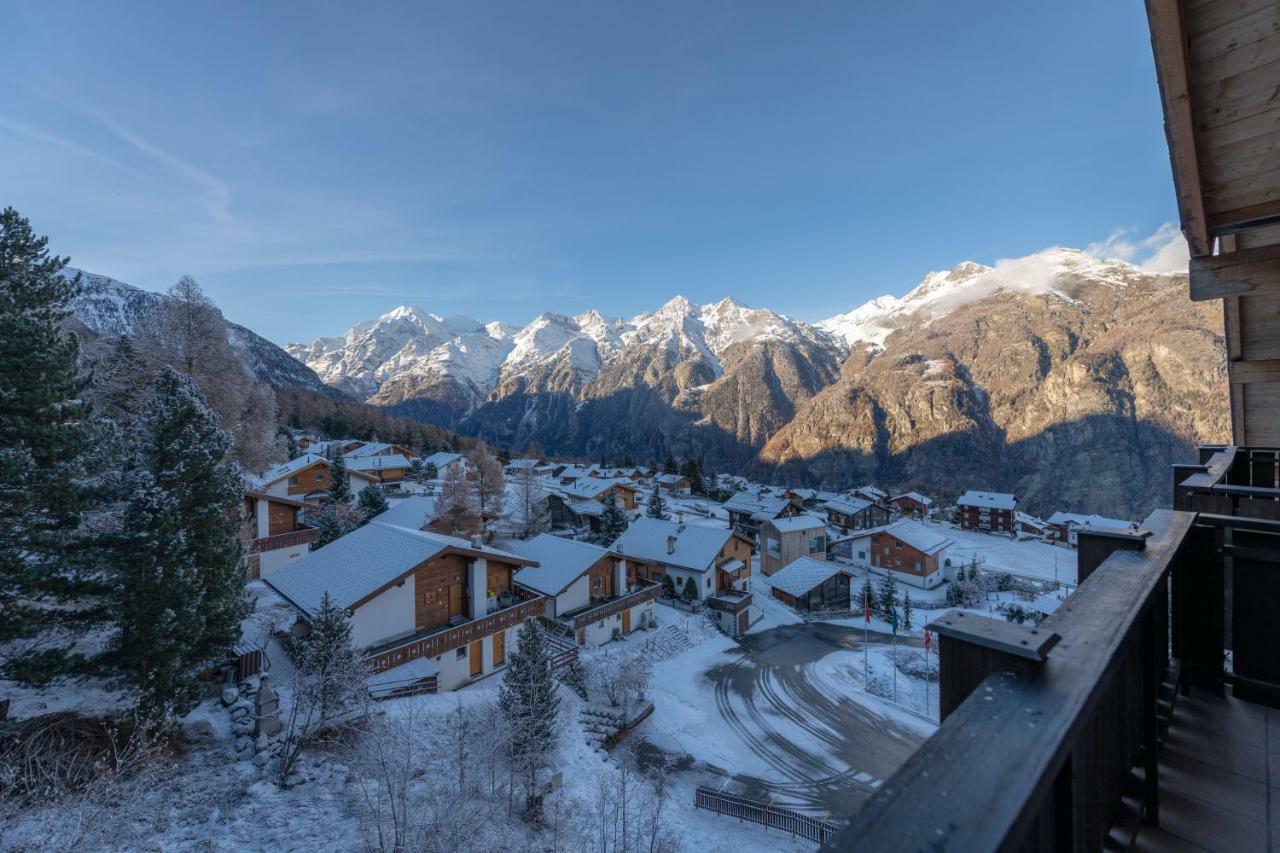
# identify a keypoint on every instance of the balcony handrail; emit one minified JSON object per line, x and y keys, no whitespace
{"x":997,"y":772}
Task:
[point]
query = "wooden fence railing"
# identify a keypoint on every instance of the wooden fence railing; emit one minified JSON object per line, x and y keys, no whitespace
{"x":806,"y":826}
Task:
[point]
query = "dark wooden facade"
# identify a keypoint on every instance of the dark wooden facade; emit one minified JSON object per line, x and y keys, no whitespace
{"x":831,"y":594}
{"x":872,"y":515}
{"x":986,"y":518}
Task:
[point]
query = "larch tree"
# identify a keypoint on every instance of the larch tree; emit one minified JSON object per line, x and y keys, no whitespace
{"x":54,"y":466}
{"x":489,"y":484}
{"x":531,"y":515}
{"x":180,"y":584}
{"x":458,"y":504}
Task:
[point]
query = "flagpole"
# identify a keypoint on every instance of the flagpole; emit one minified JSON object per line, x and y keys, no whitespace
{"x":894,"y":614}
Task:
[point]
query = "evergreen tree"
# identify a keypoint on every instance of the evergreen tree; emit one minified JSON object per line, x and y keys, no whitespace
{"x":888,"y":593}
{"x":656,"y":507}
{"x":180,"y":590}
{"x":371,"y":502}
{"x":339,"y":487}
{"x":613,"y":523}
{"x":690,"y":588}
{"x":668,"y":587}
{"x":290,"y":443}
{"x":331,"y":525}
{"x":529,"y":703}
{"x":430,"y":471}
{"x":326,"y":657}
{"x":52,"y":462}
{"x":669,"y":466}
{"x":693,"y":473}
{"x":417,"y":472}
{"x":868,"y":596}
{"x":906,"y":611}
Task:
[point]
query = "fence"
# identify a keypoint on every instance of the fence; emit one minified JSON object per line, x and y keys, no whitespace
{"x":813,"y":829}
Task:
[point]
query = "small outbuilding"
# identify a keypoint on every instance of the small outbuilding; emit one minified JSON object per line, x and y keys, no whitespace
{"x":807,"y":584}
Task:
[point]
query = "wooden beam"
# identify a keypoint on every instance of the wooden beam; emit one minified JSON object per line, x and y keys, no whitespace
{"x":1216,"y":276}
{"x":1169,"y":44}
{"x":1265,"y":370}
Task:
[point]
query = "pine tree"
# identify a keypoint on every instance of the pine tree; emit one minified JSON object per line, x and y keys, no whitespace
{"x":669,"y":466}
{"x":656,"y":507}
{"x":613,"y":523}
{"x":331,"y":526}
{"x":53,"y":459}
{"x":371,"y":502}
{"x":327,"y":659}
{"x":690,"y":588}
{"x":339,"y":487}
{"x":180,"y":590}
{"x":417,"y":472}
{"x":290,"y":443}
{"x":530,"y":703}
{"x":430,"y":471}
{"x":906,"y":611}
{"x":668,"y":587}
{"x":693,"y":473}
{"x":888,"y":593}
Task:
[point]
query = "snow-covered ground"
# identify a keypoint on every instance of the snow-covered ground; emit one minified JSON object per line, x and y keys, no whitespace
{"x":999,"y":553}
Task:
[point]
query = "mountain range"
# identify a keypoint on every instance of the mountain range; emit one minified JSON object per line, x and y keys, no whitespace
{"x":1071,"y":380}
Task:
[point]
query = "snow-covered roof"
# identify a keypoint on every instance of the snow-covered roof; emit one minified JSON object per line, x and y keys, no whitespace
{"x":872,"y":492}
{"x":442,"y":458}
{"x":413,"y":513}
{"x":988,"y":500}
{"x":388,"y":681}
{"x":803,"y":574}
{"x":522,"y":464}
{"x":917,"y":535}
{"x":913,"y":496}
{"x":363,"y":562}
{"x":761,"y":507}
{"x":847,"y":506}
{"x":798,"y":523}
{"x":376,"y":463}
{"x":588,"y":507}
{"x":668,"y":479}
{"x":1099,"y":522}
{"x":373,"y":448}
{"x":590,"y":487}
{"x":288,"y":469}
{"x":695,"y":548}
{"x":1029,"y":520}
{"x":561,"y":561}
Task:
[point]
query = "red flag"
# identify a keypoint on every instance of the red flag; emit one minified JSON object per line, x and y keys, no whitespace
{"x":928,"y":640}
{"x":866,"y":609}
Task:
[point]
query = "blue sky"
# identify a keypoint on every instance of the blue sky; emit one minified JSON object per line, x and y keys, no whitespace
{"x":317,"y":164}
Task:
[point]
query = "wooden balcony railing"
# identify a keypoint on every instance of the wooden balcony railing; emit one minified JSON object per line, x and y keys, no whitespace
{"x":447,"y":639}
{"x":1051,"y":735}
{"x":647,"y":590}
{"x":305,"y":536}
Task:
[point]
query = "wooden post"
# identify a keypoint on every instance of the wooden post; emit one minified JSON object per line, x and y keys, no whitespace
{"x":971,"y":647}
{"x":1094,"y":546}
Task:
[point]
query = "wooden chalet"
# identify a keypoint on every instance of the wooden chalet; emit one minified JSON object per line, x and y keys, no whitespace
{"x":274,"y":532}
{"x":1137,"y":716}
{"x":849,"y":514}
{"x":748,"y":510}
{"x":307,"y":478}
{"x":439,"y":610}
{"x":809,"y":585}
{"x":785,"y":540}
{"x":990,"y":512}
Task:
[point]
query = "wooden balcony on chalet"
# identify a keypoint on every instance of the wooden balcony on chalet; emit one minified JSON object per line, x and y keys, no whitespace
{"x":1141,"y":715}
{"x":603,"y":607}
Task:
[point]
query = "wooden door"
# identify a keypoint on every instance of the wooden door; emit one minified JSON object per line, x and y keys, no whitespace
{"x":499,"y":648}
{"x":476,"y":653}
{"x":626,"y":621}
{"x":742,"y":622}
{"x":455,"y":600}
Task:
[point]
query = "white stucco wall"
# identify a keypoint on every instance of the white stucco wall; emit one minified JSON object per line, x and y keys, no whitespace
{"x":269,"y":561}
{"x":576,"y":595}
{"x":387,"y":616}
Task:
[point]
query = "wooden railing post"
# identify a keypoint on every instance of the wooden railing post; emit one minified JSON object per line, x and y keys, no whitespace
{"x":973,"y":647}
{"x":1094,"y":546}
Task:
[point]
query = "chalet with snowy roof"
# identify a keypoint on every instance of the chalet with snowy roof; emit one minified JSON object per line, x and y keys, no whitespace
{"x":811,"y":498}
{"x":870,"y":493}
{"x":275,"y":532}
{"x":674,"y":484}
{"x":992,"y":512}
{"x":911,"y":549}
{"x":1064,"y":526}
{"x":521,"y":466}
{"x":912,"y":504}
{"x":717,"y":562}
{"x":416,"y":513}
{"x":1028,"y":525}
{"x":812,"y":585}
{"x":332,"y":447}
{"x":380,"y":448}
{"x":747,"y":510}
{"x":446,"y":462}
{"x":784,"y":540}
{"x":428,"y":611}
{"x":307,"y":479}
{"x":849,"y":514}
{"x":595,"y":594}
{"x":602,"y":490}
{"x":388,"y":468}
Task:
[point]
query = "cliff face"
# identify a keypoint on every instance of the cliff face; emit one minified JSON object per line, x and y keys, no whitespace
{"x":1076,"y":396}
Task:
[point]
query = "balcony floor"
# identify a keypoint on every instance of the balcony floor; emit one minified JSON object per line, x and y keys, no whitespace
{"x":1219,"y":778}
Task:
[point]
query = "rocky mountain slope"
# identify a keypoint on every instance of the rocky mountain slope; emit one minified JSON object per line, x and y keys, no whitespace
{"x":107,"y":308}
{"x":1070,"y":381}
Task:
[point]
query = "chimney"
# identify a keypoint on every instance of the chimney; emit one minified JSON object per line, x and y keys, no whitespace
{"x":671,"y":544}
{"x":680,"y":519}
{"x":477,"y":541}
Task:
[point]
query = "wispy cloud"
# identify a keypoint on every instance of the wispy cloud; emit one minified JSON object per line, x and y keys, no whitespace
{"x":1164,"y":250}
{"x":20,"y":129}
